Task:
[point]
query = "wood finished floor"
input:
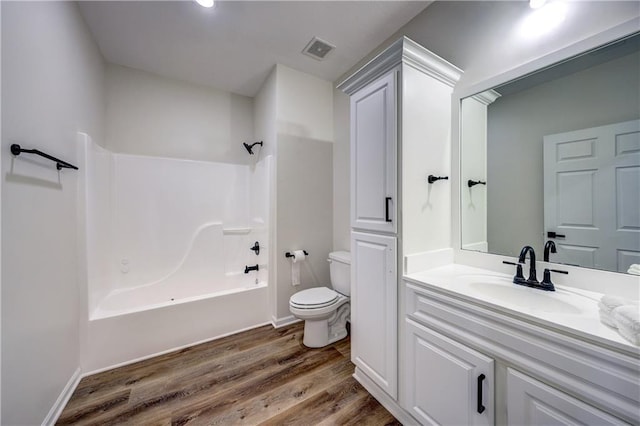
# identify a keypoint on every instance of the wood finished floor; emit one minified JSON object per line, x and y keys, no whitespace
{"x":263,"y":376}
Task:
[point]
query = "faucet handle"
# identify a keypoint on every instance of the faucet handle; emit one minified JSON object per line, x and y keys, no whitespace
{"x":519,"y":277}
{"x":546,"y":283}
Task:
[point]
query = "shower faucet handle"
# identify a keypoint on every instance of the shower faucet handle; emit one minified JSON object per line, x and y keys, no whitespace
{"x":256,"y":248}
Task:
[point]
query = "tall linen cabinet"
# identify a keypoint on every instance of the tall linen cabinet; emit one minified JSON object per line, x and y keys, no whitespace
{"x":400,"y":134}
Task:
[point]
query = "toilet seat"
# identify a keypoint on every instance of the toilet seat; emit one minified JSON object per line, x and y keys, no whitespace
{"x":314,"y":298}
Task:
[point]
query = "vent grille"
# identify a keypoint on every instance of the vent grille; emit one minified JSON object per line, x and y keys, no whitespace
{"x":318,"y":49}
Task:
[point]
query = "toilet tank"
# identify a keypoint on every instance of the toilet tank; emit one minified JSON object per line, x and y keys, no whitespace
{"x":340,"y":270}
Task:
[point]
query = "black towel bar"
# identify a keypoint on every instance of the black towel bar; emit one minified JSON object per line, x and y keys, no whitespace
{"x":16,"y":150}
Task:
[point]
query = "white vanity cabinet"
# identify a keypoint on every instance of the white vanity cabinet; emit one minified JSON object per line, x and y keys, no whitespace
{"x":534,"y":373}
{"x":373,"y":154}
{"x":374,"y":295}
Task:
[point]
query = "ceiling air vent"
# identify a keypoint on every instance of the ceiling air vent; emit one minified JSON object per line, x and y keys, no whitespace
{"x":318,"y":49}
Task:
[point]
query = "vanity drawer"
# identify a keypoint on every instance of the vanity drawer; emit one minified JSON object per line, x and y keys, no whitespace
{"x":531,"y":402}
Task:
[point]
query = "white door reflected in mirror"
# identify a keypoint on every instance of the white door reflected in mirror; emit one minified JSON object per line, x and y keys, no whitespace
{"x":591,"y":198}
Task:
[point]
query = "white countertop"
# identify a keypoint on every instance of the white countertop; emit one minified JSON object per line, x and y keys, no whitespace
{"x":568,"y":309}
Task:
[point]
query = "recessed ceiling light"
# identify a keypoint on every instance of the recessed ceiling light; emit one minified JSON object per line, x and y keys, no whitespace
{"x":536,"y":4}
{"x":205,"y":3}
{"x":544,"y":20}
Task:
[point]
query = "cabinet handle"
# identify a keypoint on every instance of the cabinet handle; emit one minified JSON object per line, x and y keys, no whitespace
{"x":481,"y":407}
{"x":386,"y":209}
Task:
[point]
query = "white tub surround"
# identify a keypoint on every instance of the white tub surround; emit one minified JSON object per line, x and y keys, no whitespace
{"x":543,"y":354}
{"x":166,"y":243}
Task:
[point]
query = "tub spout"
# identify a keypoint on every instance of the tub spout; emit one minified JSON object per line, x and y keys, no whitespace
{"x":247,"y":269}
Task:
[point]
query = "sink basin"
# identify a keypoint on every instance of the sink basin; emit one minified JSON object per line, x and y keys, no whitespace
{"x":502,"y":290}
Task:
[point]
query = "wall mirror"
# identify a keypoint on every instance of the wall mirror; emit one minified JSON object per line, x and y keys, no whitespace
{"x":555,"y":156}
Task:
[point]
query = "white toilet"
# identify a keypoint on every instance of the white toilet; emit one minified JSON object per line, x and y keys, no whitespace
{"x":325,"y":312}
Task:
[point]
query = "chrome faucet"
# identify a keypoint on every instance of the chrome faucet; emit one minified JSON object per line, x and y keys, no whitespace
{"x":532,"y":280}
{"x":550,"y":246}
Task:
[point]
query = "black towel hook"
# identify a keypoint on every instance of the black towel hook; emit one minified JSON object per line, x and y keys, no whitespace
{"x":473,"y":183}
{"x":433,"y":178}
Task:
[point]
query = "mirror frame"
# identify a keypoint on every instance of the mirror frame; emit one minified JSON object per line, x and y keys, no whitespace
{"x":480,"y":259}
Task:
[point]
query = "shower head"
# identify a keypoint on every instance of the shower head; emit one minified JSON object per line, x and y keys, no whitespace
{"x":249,"y":148}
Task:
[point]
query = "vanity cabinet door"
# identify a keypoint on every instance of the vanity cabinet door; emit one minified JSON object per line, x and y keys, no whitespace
{"x":374,"y":299}
{"x":447,"y":383}
{"x":531,"y":402}
{"x":373,"y":156}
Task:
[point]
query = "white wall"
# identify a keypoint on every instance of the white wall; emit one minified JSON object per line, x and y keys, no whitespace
{"x":157,"y":116}
{"x":0,"y":222}
{"x":574,"y":102}
{"x":425,"y":150}
{"x":304,"y":180}
{"x":473,"y":134}
{"x":484,"y":38}
{"x":341,"y":175}
{"x":52,"y":81}
{"x":305,"y":105}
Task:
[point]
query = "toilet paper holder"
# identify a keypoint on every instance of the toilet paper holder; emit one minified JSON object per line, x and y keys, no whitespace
{"x":289,"y":254}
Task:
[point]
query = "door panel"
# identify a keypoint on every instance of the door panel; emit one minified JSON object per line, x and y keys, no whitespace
{"x":591,"y":195}
{"x":373,"y":156}
{"x":374,"y":308}
{"x":447,"y":382}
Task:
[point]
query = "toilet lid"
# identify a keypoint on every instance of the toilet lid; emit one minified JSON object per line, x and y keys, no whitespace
{"x":314,"y":298}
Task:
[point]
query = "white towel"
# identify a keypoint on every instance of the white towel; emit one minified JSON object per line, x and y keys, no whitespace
{"x":606,"y":306}
{"x":634,"y":269}
{"x":627,"y":318}
{"x":608,"y":303}
{"x":606,"y":318}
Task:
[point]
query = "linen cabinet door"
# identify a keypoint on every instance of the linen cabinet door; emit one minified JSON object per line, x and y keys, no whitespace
{"x":374,"y":308}
{"x":373,"y":156}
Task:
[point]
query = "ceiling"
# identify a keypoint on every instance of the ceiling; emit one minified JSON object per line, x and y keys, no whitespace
{"x":234,"y":45}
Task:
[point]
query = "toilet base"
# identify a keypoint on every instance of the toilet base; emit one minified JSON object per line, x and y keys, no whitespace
{"x":320,"y":333}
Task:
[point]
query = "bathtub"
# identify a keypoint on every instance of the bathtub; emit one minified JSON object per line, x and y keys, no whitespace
{"x":156,"y":296}
{"x":165,"y":251}
{"x":135,"y":324}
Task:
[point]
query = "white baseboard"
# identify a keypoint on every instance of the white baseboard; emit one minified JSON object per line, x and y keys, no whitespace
{"x":385,"y":400}
{"x":63,"y":398}
{"x":281,"y":322}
